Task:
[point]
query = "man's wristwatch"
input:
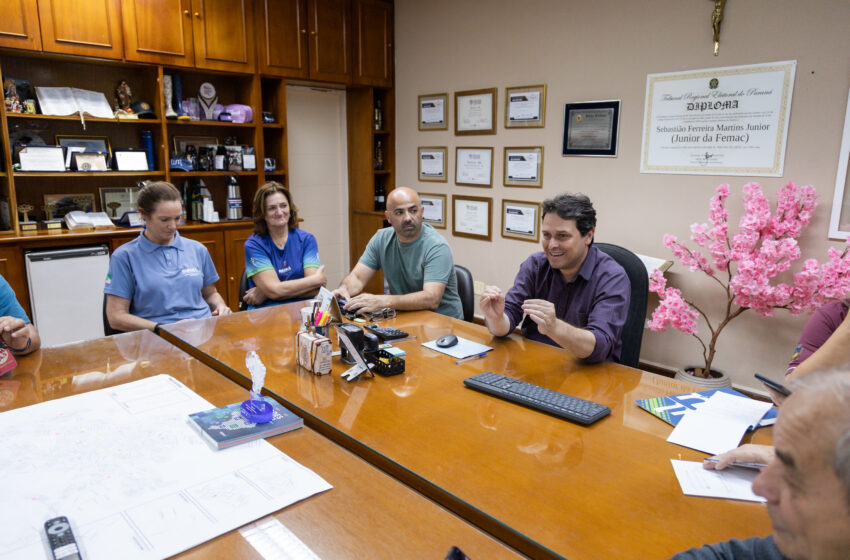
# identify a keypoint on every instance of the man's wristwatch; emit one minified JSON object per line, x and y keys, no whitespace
{"x":24,"y":349}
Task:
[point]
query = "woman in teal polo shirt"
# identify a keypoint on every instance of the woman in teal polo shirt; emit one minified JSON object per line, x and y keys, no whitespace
{"x":160,"y":277}
{"x":281,"y":261}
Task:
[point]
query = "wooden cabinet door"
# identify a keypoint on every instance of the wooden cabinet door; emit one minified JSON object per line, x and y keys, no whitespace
{"x":82,"y":27}
{"x":19,"y":25}
{"x":214,"y":242}
{"x":234,"y":241}
{"x":282,"y":37}
{"x":362,"y":227}
{"x":330,"y":40}
{"x":373,"y":41}
{"x":158,"y":31}
{"x":13,"y":270}
{"x":223,"y":32}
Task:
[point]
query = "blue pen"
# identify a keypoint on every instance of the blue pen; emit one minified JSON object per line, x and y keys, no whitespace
{"x":470,"y":358}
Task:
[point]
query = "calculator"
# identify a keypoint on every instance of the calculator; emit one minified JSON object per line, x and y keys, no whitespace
{"x":386,"y":333}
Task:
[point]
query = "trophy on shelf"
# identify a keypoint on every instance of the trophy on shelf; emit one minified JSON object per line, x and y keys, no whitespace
{"x":123,"y":100}
{"x":207,"y":99}
{"x":113,"y":209}
{"x":167,"y":93}
{"x":27,"y":224}
{"x":50,"y":221}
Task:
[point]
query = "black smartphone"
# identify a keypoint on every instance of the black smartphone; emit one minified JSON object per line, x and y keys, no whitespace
{"x":771,"y":384}
{"x":456,"y":554}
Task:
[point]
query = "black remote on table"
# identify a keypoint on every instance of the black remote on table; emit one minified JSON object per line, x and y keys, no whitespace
{"x":61,"y":539}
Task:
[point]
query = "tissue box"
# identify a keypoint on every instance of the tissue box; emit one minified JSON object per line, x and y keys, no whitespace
{"x":314,"y":352}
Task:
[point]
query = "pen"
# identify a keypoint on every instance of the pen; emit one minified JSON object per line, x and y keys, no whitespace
{"x":742,"y":464}
{"x":470,"y":358}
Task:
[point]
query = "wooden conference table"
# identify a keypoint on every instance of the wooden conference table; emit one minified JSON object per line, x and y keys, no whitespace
{"x":367,"y":514}
{"x":545,"y":486}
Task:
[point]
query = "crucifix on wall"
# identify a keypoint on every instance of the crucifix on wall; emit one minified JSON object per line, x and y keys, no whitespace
{"x":716,"y":19}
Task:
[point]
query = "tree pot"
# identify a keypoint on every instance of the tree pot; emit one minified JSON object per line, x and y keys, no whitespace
{"x":717,"y":380}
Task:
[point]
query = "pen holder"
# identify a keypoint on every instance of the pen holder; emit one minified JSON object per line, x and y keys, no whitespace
{"x":386,"y":364}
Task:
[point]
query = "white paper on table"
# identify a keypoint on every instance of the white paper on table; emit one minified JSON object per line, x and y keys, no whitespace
{"x":732,"y":483}
{"x":463,"y":349}
{"x":719,"y":424}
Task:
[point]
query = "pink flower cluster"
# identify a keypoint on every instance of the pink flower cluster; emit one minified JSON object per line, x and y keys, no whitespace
{"x":764,"y":246}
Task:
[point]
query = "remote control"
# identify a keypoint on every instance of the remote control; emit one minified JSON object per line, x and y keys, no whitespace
{"x":61,"y":539}
{"x":386,"y":333}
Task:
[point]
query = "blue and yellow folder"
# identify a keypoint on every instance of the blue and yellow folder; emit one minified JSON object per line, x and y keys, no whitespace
{"x":671,"y":409}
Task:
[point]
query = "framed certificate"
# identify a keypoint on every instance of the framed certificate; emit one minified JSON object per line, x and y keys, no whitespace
{"x":525,"y":107}
{"x":432,"y":164}
{"x":432,"y":111}
{"x":472,"y":216}
{"x":839,"y":221}
{"x":523,"y":167}
{"x":590,"y":129}
{"x":434,"y":209}
{"x":475,"y":112}
{"x":117,"y":200}
{"x":521,"y":220}
{"x":131,"y":160}
{"x":474,"y":167}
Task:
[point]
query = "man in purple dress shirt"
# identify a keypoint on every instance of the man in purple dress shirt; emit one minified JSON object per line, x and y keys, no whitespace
{"x":575,"y":295}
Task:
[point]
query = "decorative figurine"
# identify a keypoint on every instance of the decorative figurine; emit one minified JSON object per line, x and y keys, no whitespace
{"x":123,"y":100}
{"x":207,"y":98}
{"x":167,"y":93}
{"x":25,"y":209}
{"x":716,"y":19}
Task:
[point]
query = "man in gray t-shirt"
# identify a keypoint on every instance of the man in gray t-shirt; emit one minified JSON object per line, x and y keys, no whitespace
{"x":416,"y":260}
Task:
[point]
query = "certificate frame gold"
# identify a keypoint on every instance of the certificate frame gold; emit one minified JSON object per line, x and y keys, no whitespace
{"x":458,"y":150}
{"x":444,"y":125}
{"x":516,"y":150}
{"x":540,"y":121}
{"x":534,"y":236}
{"x":478,"y":200}
{"x":442,"y":178}
{"x":460,"y":99}
{"x":428,"y":197}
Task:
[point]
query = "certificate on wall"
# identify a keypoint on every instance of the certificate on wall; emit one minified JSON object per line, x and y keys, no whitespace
{"x":475,"y":112}
{"x":432,"y":111}
{"x":472,"y":215}
{"x":434,"y":209}
{"x":523,"y":167}
{"x":718,"y":121}
{"x":432,"y":164}
{"x":474,"y":166}
{"x":525,"y":106}
{"x":590,"y":129}
{"x":520,"y":220}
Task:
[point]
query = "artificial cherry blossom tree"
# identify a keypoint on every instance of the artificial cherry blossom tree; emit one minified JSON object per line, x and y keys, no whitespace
{"x":746,"y":264}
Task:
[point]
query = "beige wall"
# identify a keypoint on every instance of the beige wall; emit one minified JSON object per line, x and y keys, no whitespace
{"x":604,"y":49}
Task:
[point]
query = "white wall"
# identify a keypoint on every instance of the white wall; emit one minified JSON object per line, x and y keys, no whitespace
{"x":318,"y":171}
{"x":604,"y":49}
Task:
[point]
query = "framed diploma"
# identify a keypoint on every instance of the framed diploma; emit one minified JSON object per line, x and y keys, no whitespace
{"x":590,"y":129}
{"x":523,"y":167}
{"x":434,"y":209}
{"x":474,"y":167}
{"x":472,"y":216}
{"x":839,"y":222}
{"x":432,"y":111}
{"x":520,"y":220}
{"x":432,"y":164}
{"x":525,"y":107}
{"x":475,"y":112}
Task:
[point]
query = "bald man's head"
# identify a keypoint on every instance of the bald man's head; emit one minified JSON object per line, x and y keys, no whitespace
{"x":404,"y":213}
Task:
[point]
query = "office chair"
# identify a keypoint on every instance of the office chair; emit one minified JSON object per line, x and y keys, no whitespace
{"x":466,"y":291}
{"x":243,"y":287}
{"x":107,"y":328}
{"x":636,"y":316}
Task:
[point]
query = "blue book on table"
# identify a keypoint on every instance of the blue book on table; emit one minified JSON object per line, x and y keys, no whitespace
{"x":672,"y":408}
{"x":224,"y":426}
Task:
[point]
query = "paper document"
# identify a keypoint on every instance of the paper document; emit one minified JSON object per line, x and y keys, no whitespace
{"x":67,"y":101}
{"x":719,"y":424}
{"x":732,"y":483}
{"x":134,"y":479}
{"x":653,"y":263}
{"x":463,"y":349}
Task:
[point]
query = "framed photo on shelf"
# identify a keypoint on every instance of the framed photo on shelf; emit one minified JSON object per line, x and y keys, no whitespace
{"x":88,"y":143}
{"x":521,"y":220}
{"x":61,"y":204}
{"x":590,"y":129}
{"x":432,"y":163}
{"x":182,"y":142}
{"x":471,"y":216}
{"x":523,"y":167}
{"x":434,"y":209}
{"x":432,"y":111}
{"x":474,"y":166}
{"x":89,"y":161}
{"x":131,"y":160}
{"x":475,"y":112}
{"x":525,"y":107}
{"x":117,"y":200}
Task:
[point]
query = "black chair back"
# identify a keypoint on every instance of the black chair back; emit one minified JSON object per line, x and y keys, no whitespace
{"x":636,"y":318}
{"x":243,"y":287}
{"x":107,"y":329}
{"x":466,"y":291}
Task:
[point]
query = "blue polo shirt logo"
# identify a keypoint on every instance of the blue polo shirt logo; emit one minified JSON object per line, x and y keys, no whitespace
{"x":191,"y":271}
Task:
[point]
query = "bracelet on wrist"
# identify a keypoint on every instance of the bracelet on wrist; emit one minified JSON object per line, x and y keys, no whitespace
{"x":24,"y":349}
{"x":156,"y":328}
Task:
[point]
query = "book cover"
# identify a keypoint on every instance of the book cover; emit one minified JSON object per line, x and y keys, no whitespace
{"x":224,"y":426}
{"x":673,"y":407}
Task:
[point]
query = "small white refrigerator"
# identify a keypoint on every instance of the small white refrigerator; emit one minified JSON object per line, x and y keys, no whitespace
{"x":66,"y":293}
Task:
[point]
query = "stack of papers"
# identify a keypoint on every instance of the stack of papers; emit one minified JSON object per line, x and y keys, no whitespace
{"x":732,"y":483}
{"x":463,"y":349}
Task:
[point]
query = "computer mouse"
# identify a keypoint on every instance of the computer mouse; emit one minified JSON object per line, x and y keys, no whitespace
{"x":446,"y":341}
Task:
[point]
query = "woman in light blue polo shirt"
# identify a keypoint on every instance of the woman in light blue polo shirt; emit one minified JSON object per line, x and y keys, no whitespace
{"x":281,"y":261}
{"x":160,"y":277}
